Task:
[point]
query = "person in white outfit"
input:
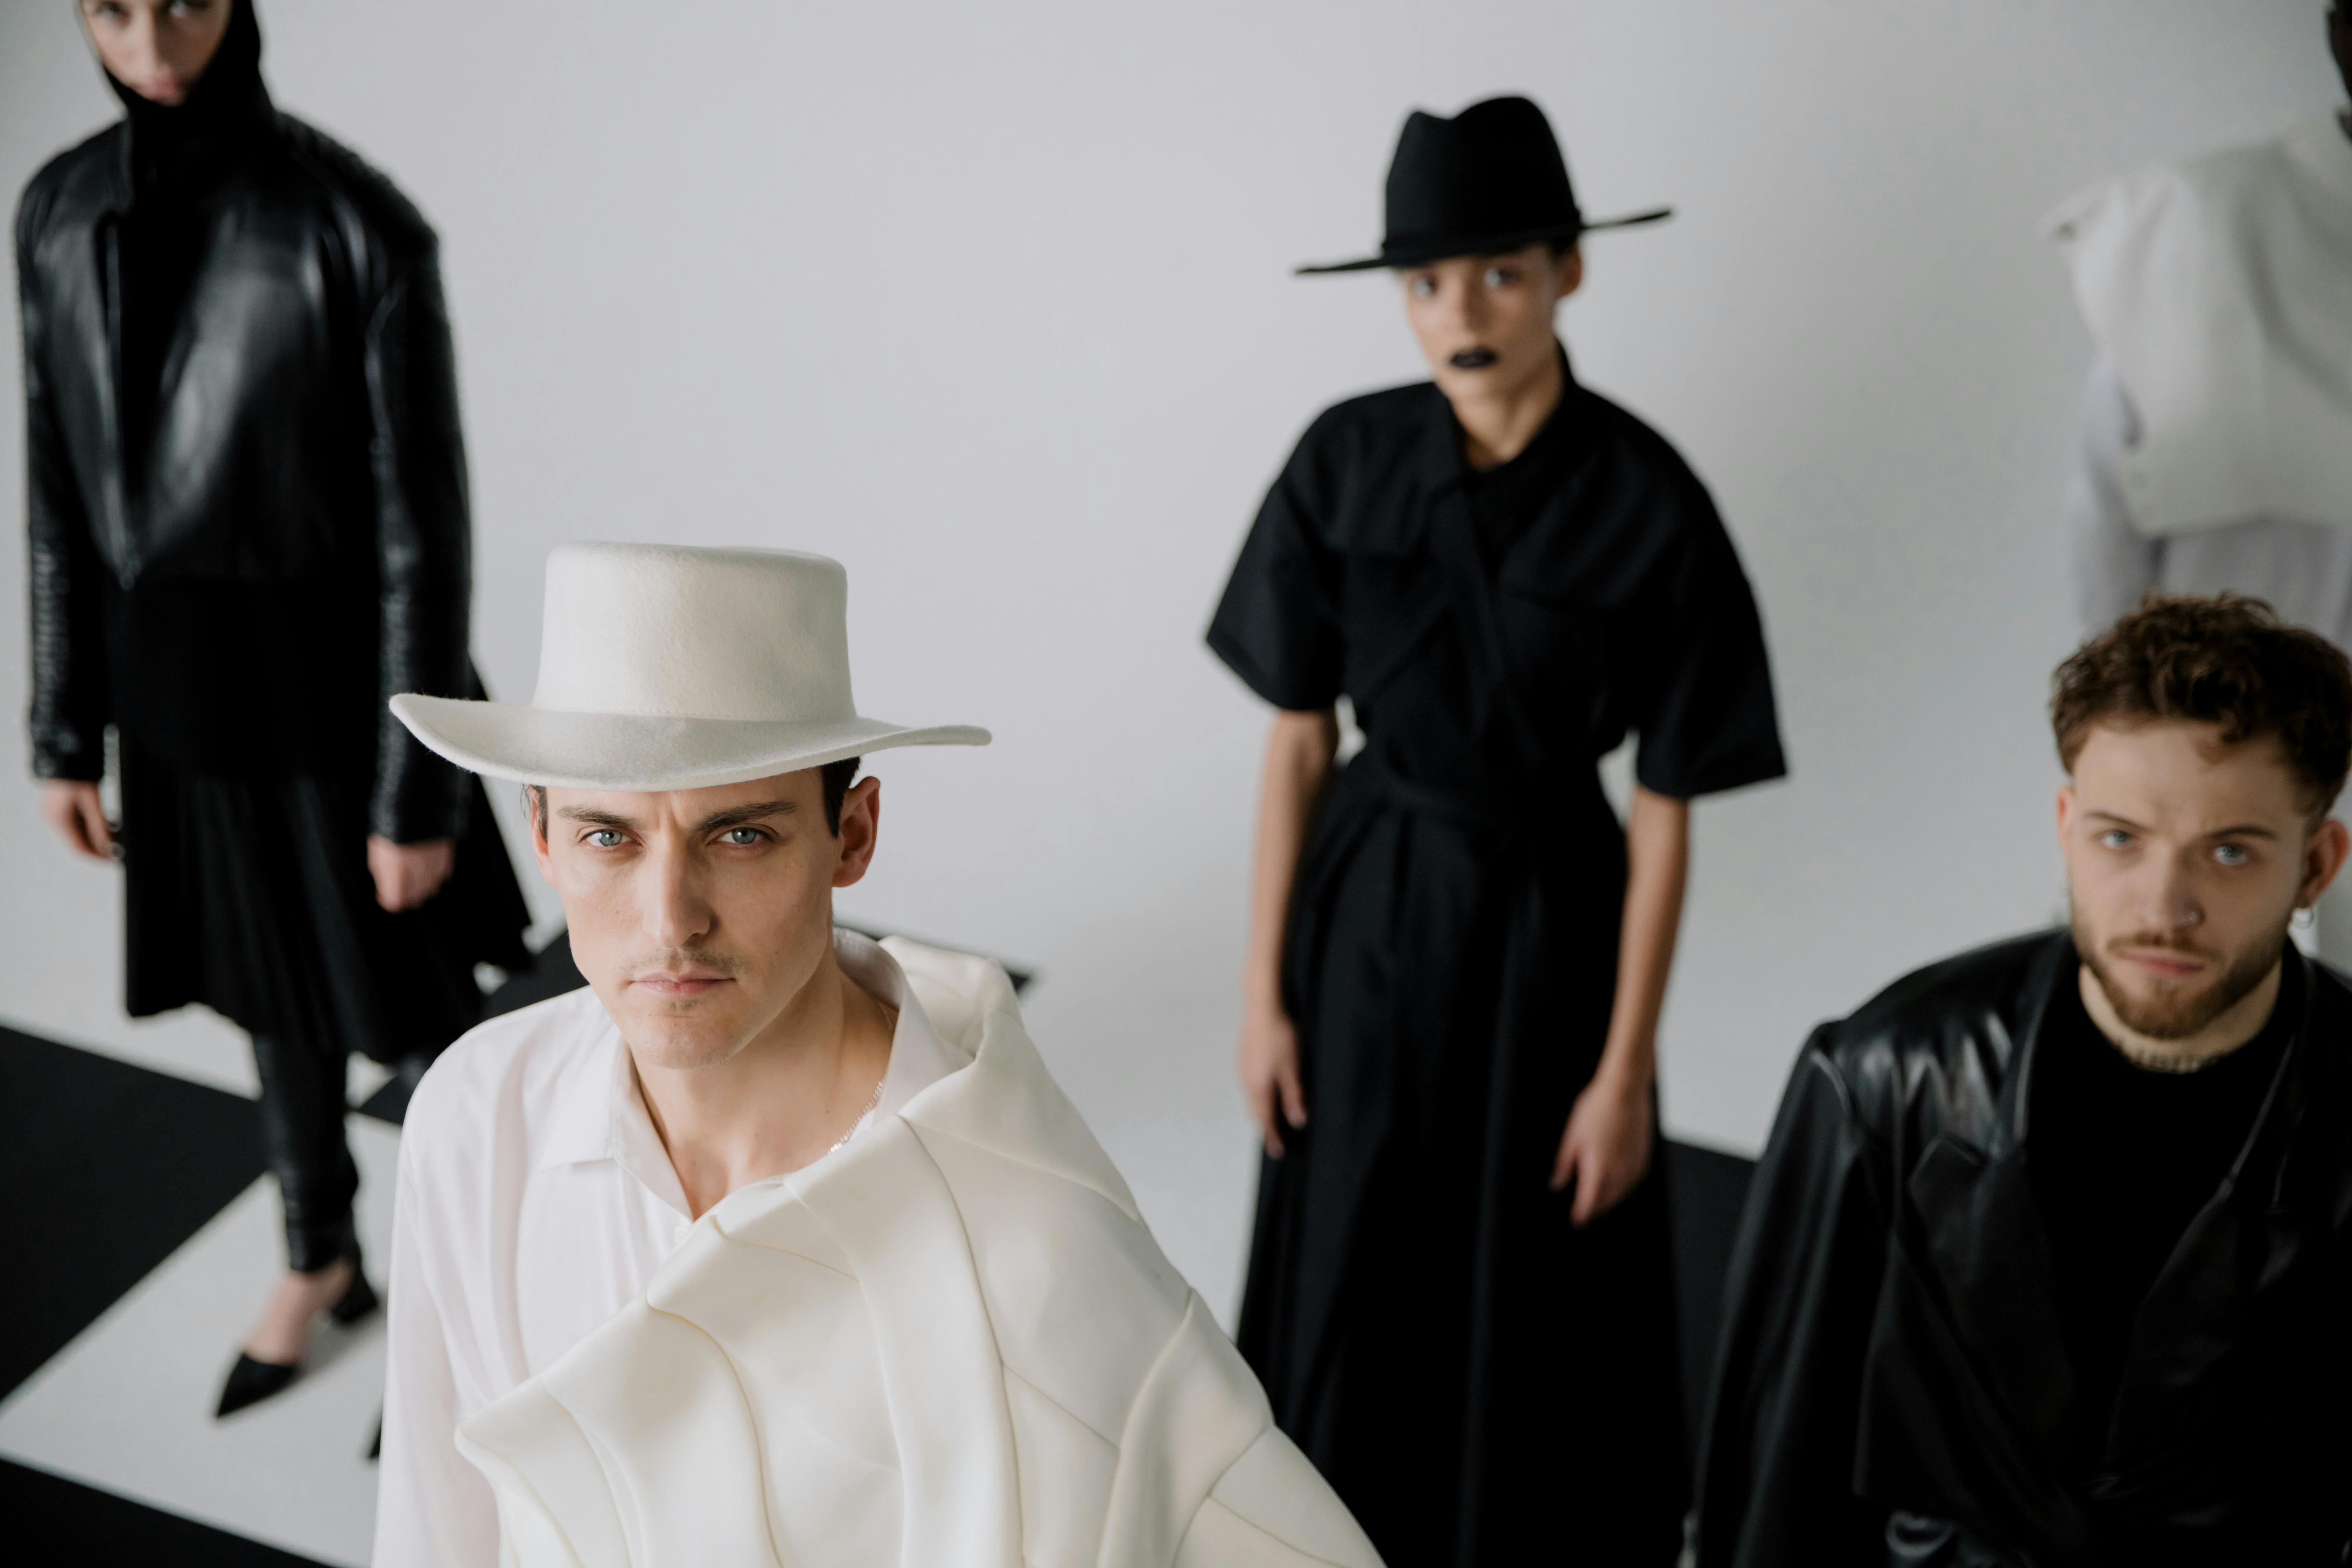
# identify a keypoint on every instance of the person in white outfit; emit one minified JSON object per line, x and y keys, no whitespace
{"x":775,"y":1245}
{"x":2215,"y":447}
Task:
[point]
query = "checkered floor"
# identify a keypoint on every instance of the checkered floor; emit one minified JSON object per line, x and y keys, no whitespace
{"x":140,"y":1233}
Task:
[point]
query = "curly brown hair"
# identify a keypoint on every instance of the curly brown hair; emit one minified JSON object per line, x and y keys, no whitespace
{"x":2227,"y":660}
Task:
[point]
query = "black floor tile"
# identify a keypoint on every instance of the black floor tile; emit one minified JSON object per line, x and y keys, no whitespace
{"x":1708,"y":1190}
{"x":105,"y":1169}
{"x":83,"y":1524}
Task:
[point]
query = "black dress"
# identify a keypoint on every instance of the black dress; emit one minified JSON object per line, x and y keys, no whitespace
{"x":1481,"y":1382}
{"x":247,"y":524}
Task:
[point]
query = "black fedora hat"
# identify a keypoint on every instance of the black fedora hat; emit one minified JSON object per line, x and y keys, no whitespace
{"x":1489,"y":179}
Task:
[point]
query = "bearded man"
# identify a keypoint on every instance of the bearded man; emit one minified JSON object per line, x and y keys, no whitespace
{"x":2049,"y":1259}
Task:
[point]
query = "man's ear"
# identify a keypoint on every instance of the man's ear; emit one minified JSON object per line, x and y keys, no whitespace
{"x":2066,"y":810}
{"x":861,"y":827}
{"x":2323,"y":857}
{"x":535,"y":803}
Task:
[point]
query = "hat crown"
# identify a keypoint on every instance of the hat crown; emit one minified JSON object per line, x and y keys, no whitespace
{"x":1494,"y":169}
{"x":674,"y":632}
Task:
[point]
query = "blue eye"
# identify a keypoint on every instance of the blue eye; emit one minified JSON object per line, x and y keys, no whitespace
{"x":742,"y":836}
{"x":605,"y":839}
{"x":2232,"y":854}
{"x":2115,"y":838}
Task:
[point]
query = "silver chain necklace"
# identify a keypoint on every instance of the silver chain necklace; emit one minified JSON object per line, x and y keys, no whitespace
{"x":872,"y":1100}
{"x":876,"y":1098}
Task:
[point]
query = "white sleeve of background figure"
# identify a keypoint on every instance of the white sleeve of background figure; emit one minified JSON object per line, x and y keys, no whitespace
{"x":432,"y":1508}
{"x":2111,"y":562}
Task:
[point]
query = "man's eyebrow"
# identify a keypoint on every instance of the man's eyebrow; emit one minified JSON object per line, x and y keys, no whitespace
{"x":595,"y":818}
{"x":741,"y":815}
{"x":2243,"y":830}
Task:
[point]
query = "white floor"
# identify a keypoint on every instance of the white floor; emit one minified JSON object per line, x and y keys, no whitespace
{"x":127,"y":1406}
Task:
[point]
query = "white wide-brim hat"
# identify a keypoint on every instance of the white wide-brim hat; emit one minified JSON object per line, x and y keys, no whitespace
{"x":662,"y":667}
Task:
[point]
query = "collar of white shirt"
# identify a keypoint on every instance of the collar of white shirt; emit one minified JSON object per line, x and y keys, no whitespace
{"x":599,"y":1110}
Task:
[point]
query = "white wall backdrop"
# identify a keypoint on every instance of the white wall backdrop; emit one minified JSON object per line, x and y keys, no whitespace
{"x":992,"y":303}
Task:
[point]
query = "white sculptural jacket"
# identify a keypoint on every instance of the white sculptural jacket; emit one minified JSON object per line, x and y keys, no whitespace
{"x":2220,"y":289}
{"x":952,"y":1343}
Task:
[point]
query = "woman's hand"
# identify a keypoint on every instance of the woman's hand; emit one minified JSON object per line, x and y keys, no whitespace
{"x":408,"y":874}
{"x":1605,"y":1149}
{"x":1269,"y":1072}
{"x":73,"y":808}
{"x":1298,"y":755}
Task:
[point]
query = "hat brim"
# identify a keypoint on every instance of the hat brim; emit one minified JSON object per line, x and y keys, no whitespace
{"x":633,"y":752}
{"x":1421,"y":253}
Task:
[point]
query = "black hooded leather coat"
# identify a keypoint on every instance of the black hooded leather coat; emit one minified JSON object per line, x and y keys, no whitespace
{"x":1892,"y":1385}
{"x":240,"y":554}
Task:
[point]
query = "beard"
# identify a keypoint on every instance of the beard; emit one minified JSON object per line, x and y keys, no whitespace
{"x":2176,"y":1014}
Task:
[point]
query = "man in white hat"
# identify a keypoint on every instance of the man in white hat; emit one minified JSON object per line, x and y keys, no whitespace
{"x":775,"y":1245}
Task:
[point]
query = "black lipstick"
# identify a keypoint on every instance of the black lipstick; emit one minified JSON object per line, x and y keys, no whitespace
{"x":1474,"y":359}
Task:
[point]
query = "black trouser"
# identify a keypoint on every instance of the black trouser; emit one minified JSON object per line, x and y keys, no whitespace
{"x":302,"y":1139}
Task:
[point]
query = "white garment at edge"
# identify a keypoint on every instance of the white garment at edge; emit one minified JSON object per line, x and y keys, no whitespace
{"x":950,"y":1342}
{"x":2220,"y":289}
{"x":2303,"y":570}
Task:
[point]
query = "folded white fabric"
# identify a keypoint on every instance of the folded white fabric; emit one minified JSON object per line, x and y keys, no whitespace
{"x":952,"y":1343}
{"x":2220,"y":290}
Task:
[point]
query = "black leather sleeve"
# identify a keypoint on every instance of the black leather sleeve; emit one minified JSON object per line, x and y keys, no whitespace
{"x":1776,"y":1469}
{"x":424,"y":546}
{"x":69,"y":706}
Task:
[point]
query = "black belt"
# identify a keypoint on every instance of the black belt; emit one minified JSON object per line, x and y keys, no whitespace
{"x":1554,"y":803}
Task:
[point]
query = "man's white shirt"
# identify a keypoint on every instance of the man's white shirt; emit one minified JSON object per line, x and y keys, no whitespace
{"x":535,"y":1203}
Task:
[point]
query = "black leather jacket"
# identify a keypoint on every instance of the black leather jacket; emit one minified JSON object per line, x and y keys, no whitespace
{"x":239,"y":577}
{"x":1892,"y":1385}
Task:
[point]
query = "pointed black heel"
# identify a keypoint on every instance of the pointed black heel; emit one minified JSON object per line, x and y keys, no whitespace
{"x":251,"y":1380}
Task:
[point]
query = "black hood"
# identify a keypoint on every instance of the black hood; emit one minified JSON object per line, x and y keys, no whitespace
{"x":169,"y":141}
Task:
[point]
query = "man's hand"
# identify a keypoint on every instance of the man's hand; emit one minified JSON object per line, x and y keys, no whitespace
{"x":408,"y":874}
{"x":1269,"y":1072}
{"x":72,"y":807}
{"x":1606,"y":1149}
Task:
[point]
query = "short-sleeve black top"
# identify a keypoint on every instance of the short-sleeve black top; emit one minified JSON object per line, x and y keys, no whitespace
{"x":1622,"y":599}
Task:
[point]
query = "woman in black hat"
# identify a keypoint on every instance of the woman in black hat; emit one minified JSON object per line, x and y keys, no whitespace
{"x":249,"y":527}
{"x":1459,"y":1293}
